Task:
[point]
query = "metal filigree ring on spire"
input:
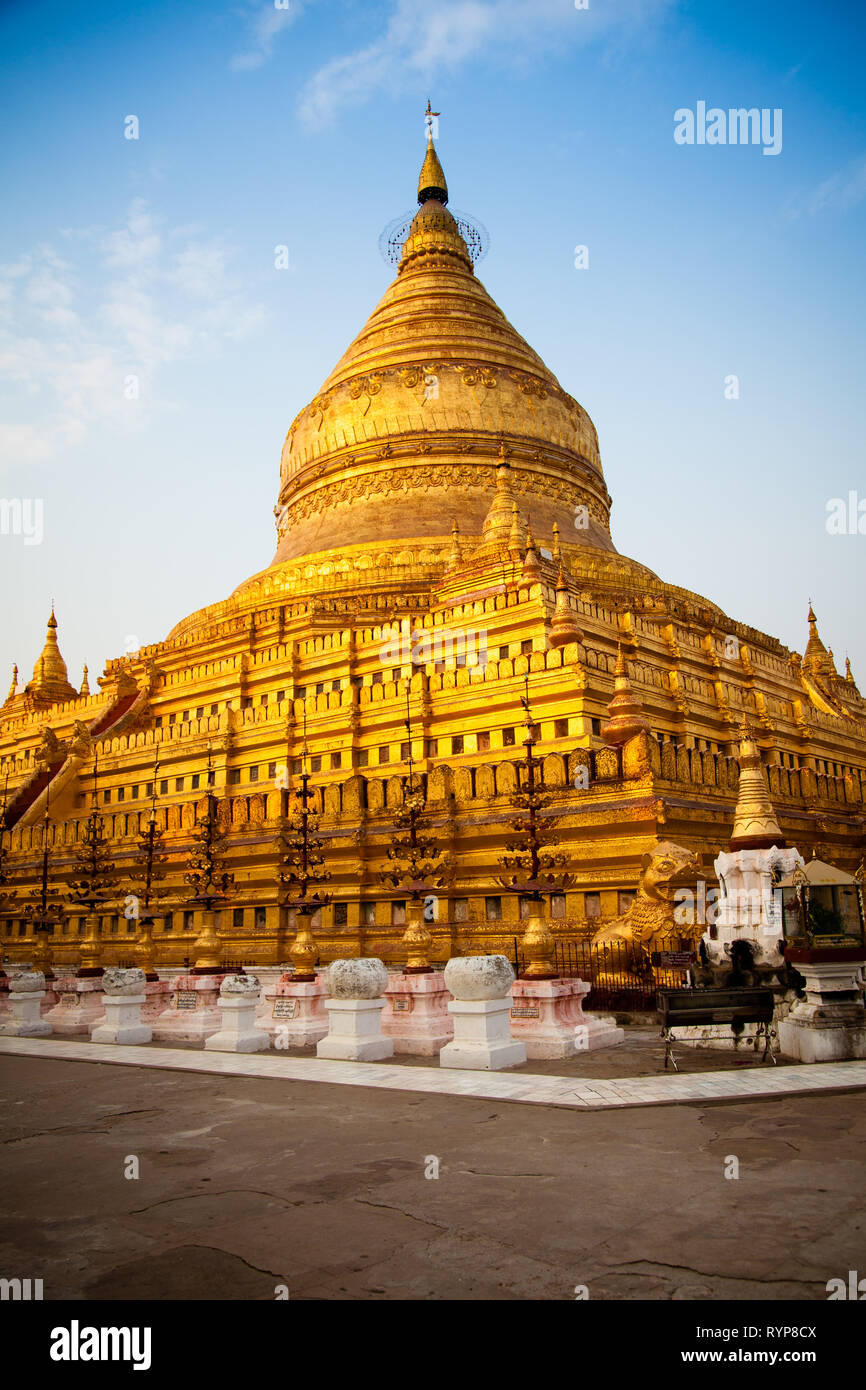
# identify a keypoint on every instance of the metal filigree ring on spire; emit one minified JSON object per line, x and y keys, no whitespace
{"x":394,"y":235}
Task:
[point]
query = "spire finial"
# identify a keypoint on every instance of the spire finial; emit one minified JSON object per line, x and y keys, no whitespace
{"x":555,"y":550}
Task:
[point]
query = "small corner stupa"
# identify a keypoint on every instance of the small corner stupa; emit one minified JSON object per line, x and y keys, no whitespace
{"x":757,"y":851}
{"x":50,"y":682}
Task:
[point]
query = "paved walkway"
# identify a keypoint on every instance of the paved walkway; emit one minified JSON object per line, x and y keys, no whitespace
{"x":569,"y":1092}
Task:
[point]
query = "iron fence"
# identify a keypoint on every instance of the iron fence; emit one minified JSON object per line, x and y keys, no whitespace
{"x":622,"y":978}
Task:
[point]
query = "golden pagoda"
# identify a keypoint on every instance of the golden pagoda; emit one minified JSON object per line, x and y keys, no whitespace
{"x":443,"y":532}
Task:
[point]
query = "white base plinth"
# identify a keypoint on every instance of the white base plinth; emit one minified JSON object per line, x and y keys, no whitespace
{"x":25,"y":1017}
{"x":123,"y":1023}
{"x":238,"y":1032}
{"x":482,"y":1036}
{"x":829,"y":1025}
{"x":821,"y":1043}
{"x":355,"y":1031}
{"x":295,"y":1015}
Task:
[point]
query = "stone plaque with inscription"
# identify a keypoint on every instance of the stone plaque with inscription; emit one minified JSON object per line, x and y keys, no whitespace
{"x":402,"y":1006}
{"x":186,"y":998}
{"x":285,"y":1008}
{"x":672,"y":960}
{"x":525,"y":1011}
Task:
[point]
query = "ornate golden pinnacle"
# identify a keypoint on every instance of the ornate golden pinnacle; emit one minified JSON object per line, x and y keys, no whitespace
{"x":627,"y":719}
{"x":563,"y":625}
{"x":755,"y":822}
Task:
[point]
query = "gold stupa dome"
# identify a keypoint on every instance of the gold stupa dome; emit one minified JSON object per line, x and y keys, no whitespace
{"x":409,"y":426}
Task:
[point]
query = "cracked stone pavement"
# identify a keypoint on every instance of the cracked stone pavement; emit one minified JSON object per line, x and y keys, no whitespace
{"x":246,"y":1184}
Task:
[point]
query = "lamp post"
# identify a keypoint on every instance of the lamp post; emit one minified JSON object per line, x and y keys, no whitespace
{"x":414,"y":857}
{"x":300,"y":867}
{"x":43,"y":913}
{"x":211,"y":883}
{"x":6,"y":898}
{"x":150,"y":857}
{"x":94,"y":870}
{"x":529,"y":859}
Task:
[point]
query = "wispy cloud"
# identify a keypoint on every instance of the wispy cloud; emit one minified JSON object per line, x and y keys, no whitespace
{"x":265,"y":22}
{"x":421,"y":40}
{"x":121,"y":304}
{"x":842,"y":190}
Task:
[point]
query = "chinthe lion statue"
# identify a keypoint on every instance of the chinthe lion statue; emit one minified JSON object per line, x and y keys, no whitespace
{"x":649,"y":923}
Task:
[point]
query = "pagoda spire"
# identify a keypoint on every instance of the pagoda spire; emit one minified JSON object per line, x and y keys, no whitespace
{"x":455,"y":555}
{"x":531,"y":567}
{"x":13,"y":689}
{"x":431,"y":181}
{"x":626,"y":715}
{"x":755,"y":823}
{"x":563,"y":624}
{"x":85,"y":685}
{"x":849,"y":677}
{"x":50,"y":676}
{"x":515,"y":535}
{"x":815,"y":657}
{"x":498,"y":521}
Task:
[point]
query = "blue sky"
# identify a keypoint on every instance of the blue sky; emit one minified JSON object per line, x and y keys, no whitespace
{"x":262,"y":126}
